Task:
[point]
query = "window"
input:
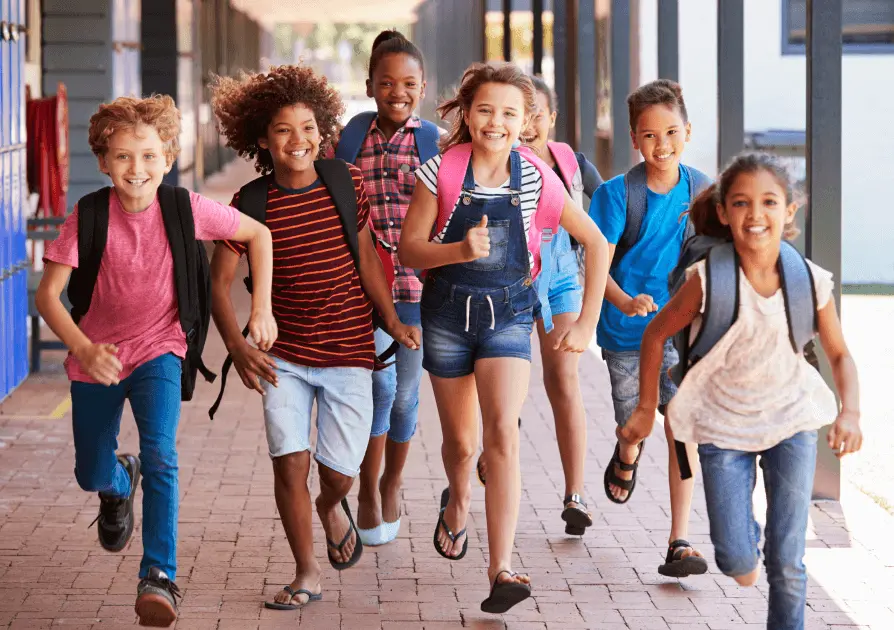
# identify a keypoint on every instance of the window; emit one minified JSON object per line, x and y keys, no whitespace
{"x":867,"y":26}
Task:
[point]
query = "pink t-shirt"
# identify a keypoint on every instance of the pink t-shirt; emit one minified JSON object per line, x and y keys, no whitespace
{"x":134,"y":305}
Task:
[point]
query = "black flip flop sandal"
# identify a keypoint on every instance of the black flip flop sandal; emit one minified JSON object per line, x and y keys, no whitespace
{"x":311,"y":597}
{"x":612,"y":478}
{"x":358,"y":544}
{"x":675,"y":565}
{"x":445,"y":497}
{"x":577,"y":519}
{"x":505,"y":595}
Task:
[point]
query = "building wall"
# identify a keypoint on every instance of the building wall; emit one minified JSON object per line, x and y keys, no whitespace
{"x":775,"y":98}
{"x":77,"y":51}
{"x":450,"y":34}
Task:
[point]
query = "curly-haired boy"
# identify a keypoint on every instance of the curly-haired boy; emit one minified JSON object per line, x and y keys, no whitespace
{"x":325,"y":352}
{"x":128,"y":342}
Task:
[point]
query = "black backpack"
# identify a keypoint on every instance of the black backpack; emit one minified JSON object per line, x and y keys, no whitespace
{"x":192,"y":275}
{"x":336,"y":177}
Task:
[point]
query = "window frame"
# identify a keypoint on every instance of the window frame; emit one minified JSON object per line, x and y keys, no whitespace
{"x":847,"y":49}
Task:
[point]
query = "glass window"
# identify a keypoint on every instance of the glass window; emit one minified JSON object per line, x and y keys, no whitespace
{"x":867,"y":26}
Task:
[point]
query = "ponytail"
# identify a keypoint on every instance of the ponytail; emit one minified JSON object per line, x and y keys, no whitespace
{"x":703,"y":215}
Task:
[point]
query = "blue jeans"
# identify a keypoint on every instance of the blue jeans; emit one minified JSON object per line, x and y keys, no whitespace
{"x":396,"y":388}
{"x":154,"y":393}
{"x":729,"y":478}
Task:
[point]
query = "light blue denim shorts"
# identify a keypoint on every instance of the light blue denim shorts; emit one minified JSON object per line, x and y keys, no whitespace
{"x":344,"y":413}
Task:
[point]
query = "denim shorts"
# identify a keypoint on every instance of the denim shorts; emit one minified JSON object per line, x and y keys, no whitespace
{"x":565,"y":292}
{"x":344,"y":413}
{"x":623,"y":370}
{"x":463,"y":324}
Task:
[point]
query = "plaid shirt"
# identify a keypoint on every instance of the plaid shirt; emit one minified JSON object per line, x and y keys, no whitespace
{"x":389,"y":168}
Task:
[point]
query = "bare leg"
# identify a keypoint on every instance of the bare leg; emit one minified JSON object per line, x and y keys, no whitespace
{"x":458,"y":410}
{"x":560,"y":377}
{"x":293,"y":502}
{"x":502,"y":388}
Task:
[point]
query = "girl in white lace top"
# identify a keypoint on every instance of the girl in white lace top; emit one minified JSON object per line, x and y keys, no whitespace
{"x":751,"y":395}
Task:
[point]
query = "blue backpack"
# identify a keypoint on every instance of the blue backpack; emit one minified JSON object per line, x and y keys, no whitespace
{"x":352,"y":136}
{"x":637,"y":205}
{"x":722,"y":304}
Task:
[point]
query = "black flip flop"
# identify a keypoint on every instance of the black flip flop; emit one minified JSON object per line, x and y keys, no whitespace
{"x":577,"y":519}
{"x":613,"y":479}
{"x":358,"y":544}
{"x":311,"y":597}
{"x":445,"y":497}
{"x":679,"y":567}
{"x":505,"y":595}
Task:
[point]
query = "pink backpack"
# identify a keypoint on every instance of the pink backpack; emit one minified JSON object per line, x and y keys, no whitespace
{"x":545,"y":222}
{"x":567,"y":162}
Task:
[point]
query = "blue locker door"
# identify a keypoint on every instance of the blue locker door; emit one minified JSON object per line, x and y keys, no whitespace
{"x":5,"y":232}
{"x":14,"y":80}
{"x":6,"y":286}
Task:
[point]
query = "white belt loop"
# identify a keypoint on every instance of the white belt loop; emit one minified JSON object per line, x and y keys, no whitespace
{"x":493,"y":317}
{"x":468,"y":307}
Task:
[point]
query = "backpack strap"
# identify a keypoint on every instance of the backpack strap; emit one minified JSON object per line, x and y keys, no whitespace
{"x":698,"y":182}
{"x":351,"y":138}
{"x":427,"y":137}
{"x":253,"y":203}
{"x":799,"y":294}
{"x":722,"y":281}
{"x":636,"y":187}
{"x":545,"y":223}
{"x":176,"y":213}
{"x":93,"y":232}
{"x":336,"y":177}
{"x":451,"y":174}
{"x":567,"y":163}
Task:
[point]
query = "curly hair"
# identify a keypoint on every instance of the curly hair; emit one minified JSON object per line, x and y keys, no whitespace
{"x":127,"y":113}
{"x":245,"y":107}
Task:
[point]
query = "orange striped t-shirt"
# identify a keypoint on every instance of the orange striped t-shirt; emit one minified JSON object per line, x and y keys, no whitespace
{"x":323,"y":315}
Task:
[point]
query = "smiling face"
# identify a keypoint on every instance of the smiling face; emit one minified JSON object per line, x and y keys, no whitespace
{"x":756,"y":211}
{"x":398,"y":86}
{"x":136,"y":163}
{"x":661,"y":135}
{"x":541,"y":123}
{"x":293,"y":139}
{"x":497,"y":117}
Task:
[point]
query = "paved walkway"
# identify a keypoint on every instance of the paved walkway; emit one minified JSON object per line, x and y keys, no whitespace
{"x":233,"y":554}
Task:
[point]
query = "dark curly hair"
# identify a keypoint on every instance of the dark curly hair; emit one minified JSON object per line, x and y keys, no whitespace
{"x":245,"y":106}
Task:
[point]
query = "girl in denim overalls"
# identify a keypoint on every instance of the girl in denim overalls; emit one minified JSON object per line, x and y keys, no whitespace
{"x":478,"y":302}
{"x":560,"y":369}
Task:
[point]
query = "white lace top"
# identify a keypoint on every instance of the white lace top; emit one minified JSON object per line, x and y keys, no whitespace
{"x":751,"y":391}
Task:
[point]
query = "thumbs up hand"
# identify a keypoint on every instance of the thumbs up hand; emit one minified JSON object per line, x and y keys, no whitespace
{"x":477,"y":242}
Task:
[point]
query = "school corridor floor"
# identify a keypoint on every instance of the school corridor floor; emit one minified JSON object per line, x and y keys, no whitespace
{"x":233,"y":554}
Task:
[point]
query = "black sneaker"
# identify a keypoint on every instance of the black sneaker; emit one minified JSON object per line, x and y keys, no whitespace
{"x":157,"y":600}
{"x":116,"y":514}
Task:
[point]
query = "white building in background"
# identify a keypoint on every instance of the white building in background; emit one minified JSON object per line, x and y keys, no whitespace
{"x":775,"y":99}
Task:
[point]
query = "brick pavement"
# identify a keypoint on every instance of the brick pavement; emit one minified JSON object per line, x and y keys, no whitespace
{"x":233,"y":554}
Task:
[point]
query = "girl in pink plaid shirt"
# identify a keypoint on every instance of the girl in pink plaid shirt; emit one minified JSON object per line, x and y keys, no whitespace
{"x":388,"y":155}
